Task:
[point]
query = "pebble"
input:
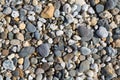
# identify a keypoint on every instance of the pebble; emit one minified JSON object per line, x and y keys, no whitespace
{"x":34,"y":61}
{"x":38,"y":8}
{"x":20,"y":61}
{"x":15,"y":42}
{"x":59,"y":33}
{"x":37,"y":35}
{"x":85,"y":7}
{"x":117,"y":43}
{"x":43,"y":50}
{"x":26,"y":63}
{"x":82,"y":2}
{"x":69,"y":18}
{"x":1,"y":77}
{"x":84,"y":66}
{"x":5,"y":52}
{"x":111,"y":51}
{"x":8,"y":64}
{"x":26,"y":51}
{"x":57,"y":13}
{"x":110,"y":4}
{"x":35,"y":2}
{"x":67,"y":8}
{"x":91,"y":10}
{"x":22,"y":26}
{"x":39,"y":71}
{"x":85,"y":33}
{"x":48,"y":11}
{"x":15,"y":14}
{"x":105,"y":14}
{"x":30,"y":27}
{"x":39,"y":77}
{"x":99,"y":8}
{"x":7,"y":10}
{"x":20,"y":36}
{"x":102,"y":32}
{"x":85,"y":51}
{"x":90,"y":73}
{"x":72,"y":72}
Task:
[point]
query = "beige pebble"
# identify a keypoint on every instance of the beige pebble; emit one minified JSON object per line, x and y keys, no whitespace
{"x":20,"y":61}
{"x":117,"y":43}
{"x":35,"y":2}
{"x":117,"y":18}
{"x":97,"y":1}
{"x":93,"y":21}
{"x":48,"y":11}
{"x":105,"y":14}
{"x":26,"y":43}
{"x":22,"y":26}
{"x":20,"y":36}
{"x":15,"y":42}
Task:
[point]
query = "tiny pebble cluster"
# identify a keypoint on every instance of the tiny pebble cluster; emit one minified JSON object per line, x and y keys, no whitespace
{"x":59,"y":39}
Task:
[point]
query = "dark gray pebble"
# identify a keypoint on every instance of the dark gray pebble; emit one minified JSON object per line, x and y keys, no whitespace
{"x":30,"y":27}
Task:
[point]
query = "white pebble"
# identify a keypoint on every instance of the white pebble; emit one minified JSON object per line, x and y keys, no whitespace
{"x":15,"y":14}
{"x":59,"y":32}
{"x":85,"y":7}
{"x":10,"y":57}
{"x":50,"y":40}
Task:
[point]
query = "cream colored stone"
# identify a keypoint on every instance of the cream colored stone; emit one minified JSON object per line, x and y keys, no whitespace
{"x":22,"y":26}
{"x":93,"y":21}
{"x":20,"y":36}
{"x":117,"y":43}
{"x":35,"y":2}
{"x":20,"y":61}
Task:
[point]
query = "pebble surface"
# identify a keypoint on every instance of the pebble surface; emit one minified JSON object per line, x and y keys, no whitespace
{"x":59,"y":39}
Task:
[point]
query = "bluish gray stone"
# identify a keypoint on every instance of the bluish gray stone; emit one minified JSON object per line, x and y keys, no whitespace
{"x":85,"y":33}
{"x":102,"y":32}
{"x":26,"y":63}
{"x":30,"y":27}
{"x":26,"y":51}
{"x":57,"y":13}
{"x":8,"y":64}
{"x":58,"y":53}
{"x":99,"y":8}
{"x":37,"y":35}
{"x":10,"y":35}
{"x":110,"y":4}
{"x":111,"y":51}
{"x":85,"y":51}
{"x":43,"y":50}
{"x":7,"y":10}
{"x":84,"y":66}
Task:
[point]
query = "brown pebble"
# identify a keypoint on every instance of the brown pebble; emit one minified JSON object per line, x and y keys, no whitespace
{"x":68,"y":57}
{"x":45,"y":66}
{"x":21,"y":74}
{"x":48,"y":11}
{"x":5,"y":52}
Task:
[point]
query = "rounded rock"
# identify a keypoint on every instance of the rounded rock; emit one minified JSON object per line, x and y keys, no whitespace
{"x":99,"y":8}
{"x":85,"y":51}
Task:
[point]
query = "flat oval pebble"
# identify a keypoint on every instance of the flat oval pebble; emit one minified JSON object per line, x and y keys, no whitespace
{"x":84,"y":66}
{"x":26,"y":51}
{"x":85,"y":51}
{"x":43,"y":50}
{"x":102,"y":32}
{"x":30,"y":27}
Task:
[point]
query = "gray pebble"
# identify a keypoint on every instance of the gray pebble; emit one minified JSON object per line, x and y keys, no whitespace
{"x":69,"y":18}
{"x":26,"y":63}
{"x":111,"y":51}
{"x":85,"y":51}
{"x":102,"y":32}
{"x":99,"y":8}
{"x":10,"y":35}
{"x":1,"y":77}
{"x":30,"y":27}
{"x":84,"y":66}
{"x":58,"y":53}
{"x":72,"y":72}
{"x":67,"y":8}
{"x":118,"y":71}
{"x":85,"y":33}
{"x":38,"y":9}
{"x":7,"y":10}
{"x":34,"y":60}
{"x":8,"y":64}
{"x":26,"y":51}
{"x":110,"y":4}
{"x":37,"y":35}
{"x":39,"y":77}
{"x":57,"y":13}
{"x":43,"y":50}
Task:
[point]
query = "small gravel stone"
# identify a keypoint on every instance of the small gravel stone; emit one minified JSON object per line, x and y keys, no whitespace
{"x":99,"y":8}
{"x":102,"y":32}
{"x":30,"y":27}
{"x":67,"y":8}
{"x":90,"y":73}
{"x":72,"y":72}
{"x":85,"y":7}
{"x":84,"y":66}
{"x":34,"y":61}
{"x":15,"y":42}
{"x":85,"y":51}
{"x":57,"y":13}
{"x":5,"y":52}
{"x":110,"y":4}
{"x":20,"y":36}
{"x":39,"y":77}
{"x":48,"y":11}
{"x":82,"y":2}
{"x":26,"y":51}
{"x":43,"y":50}
{"x":20,"y":61}
{"x":15,"y":14}
{"x":1,"y":77}
{"x":69,"y":18}
{"x":8,"y":64}
{"x":91,"y":10}
{"x":37,"y":35}
{"x":26,"y":63}
{"x":7,"y":10}
{"x":59,"y":32}
{"x":22,"y":26}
